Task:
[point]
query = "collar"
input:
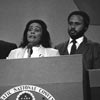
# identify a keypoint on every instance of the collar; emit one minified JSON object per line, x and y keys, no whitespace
{"x":79,"y":40}
{"x":37,"y":47}
{"x":40,"y":46}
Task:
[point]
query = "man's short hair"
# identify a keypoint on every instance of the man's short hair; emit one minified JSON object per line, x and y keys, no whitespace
{"x":85,"y":16}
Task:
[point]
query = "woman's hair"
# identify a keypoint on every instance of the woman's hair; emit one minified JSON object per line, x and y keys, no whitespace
{"x":45,"y":38}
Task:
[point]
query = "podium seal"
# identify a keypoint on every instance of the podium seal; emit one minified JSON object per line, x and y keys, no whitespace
{"x":26,"y":92}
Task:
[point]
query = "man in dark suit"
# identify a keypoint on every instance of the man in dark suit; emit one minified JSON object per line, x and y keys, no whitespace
{"x":5,"y":48}
{"x":78,"y":22}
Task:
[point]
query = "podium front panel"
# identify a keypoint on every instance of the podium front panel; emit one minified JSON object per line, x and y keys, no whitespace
{"x":94,"y":76}
{"x":48,"y":78}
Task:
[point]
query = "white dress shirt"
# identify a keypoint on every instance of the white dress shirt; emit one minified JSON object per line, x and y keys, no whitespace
{"x":78,"y":42}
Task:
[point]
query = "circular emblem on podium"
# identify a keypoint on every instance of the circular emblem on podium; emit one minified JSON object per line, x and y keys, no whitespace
{"x":25,"y":95}
{"x":25,"y":92}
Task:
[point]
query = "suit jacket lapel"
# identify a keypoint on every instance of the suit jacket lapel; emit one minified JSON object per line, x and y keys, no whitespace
{"x":65,"y":51}
{"x":83,"y":47}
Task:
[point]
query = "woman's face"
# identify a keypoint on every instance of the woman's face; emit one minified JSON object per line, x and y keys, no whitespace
{"x":34,"y":33}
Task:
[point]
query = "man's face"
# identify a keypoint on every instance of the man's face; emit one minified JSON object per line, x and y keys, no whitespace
{"x":76,"y":26}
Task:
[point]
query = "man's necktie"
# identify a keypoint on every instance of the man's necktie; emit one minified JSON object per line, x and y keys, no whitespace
{"x":73,"y":48}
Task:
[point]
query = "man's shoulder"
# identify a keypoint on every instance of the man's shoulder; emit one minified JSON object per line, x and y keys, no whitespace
{"x":5,"y":43}
{"x":93,"y":43}
{"x":5,"y":48}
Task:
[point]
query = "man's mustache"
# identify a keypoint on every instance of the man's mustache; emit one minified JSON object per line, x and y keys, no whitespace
{"x":72,"y":31}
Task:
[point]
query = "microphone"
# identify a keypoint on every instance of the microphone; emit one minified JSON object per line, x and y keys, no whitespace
{"x":29,"y":47}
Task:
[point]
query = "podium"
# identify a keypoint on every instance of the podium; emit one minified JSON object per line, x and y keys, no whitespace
{"x":47,"y":78}
{"x":94,"y":77}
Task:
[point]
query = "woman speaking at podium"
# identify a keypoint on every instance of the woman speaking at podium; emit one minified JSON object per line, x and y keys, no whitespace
{"x":36,"y":42}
